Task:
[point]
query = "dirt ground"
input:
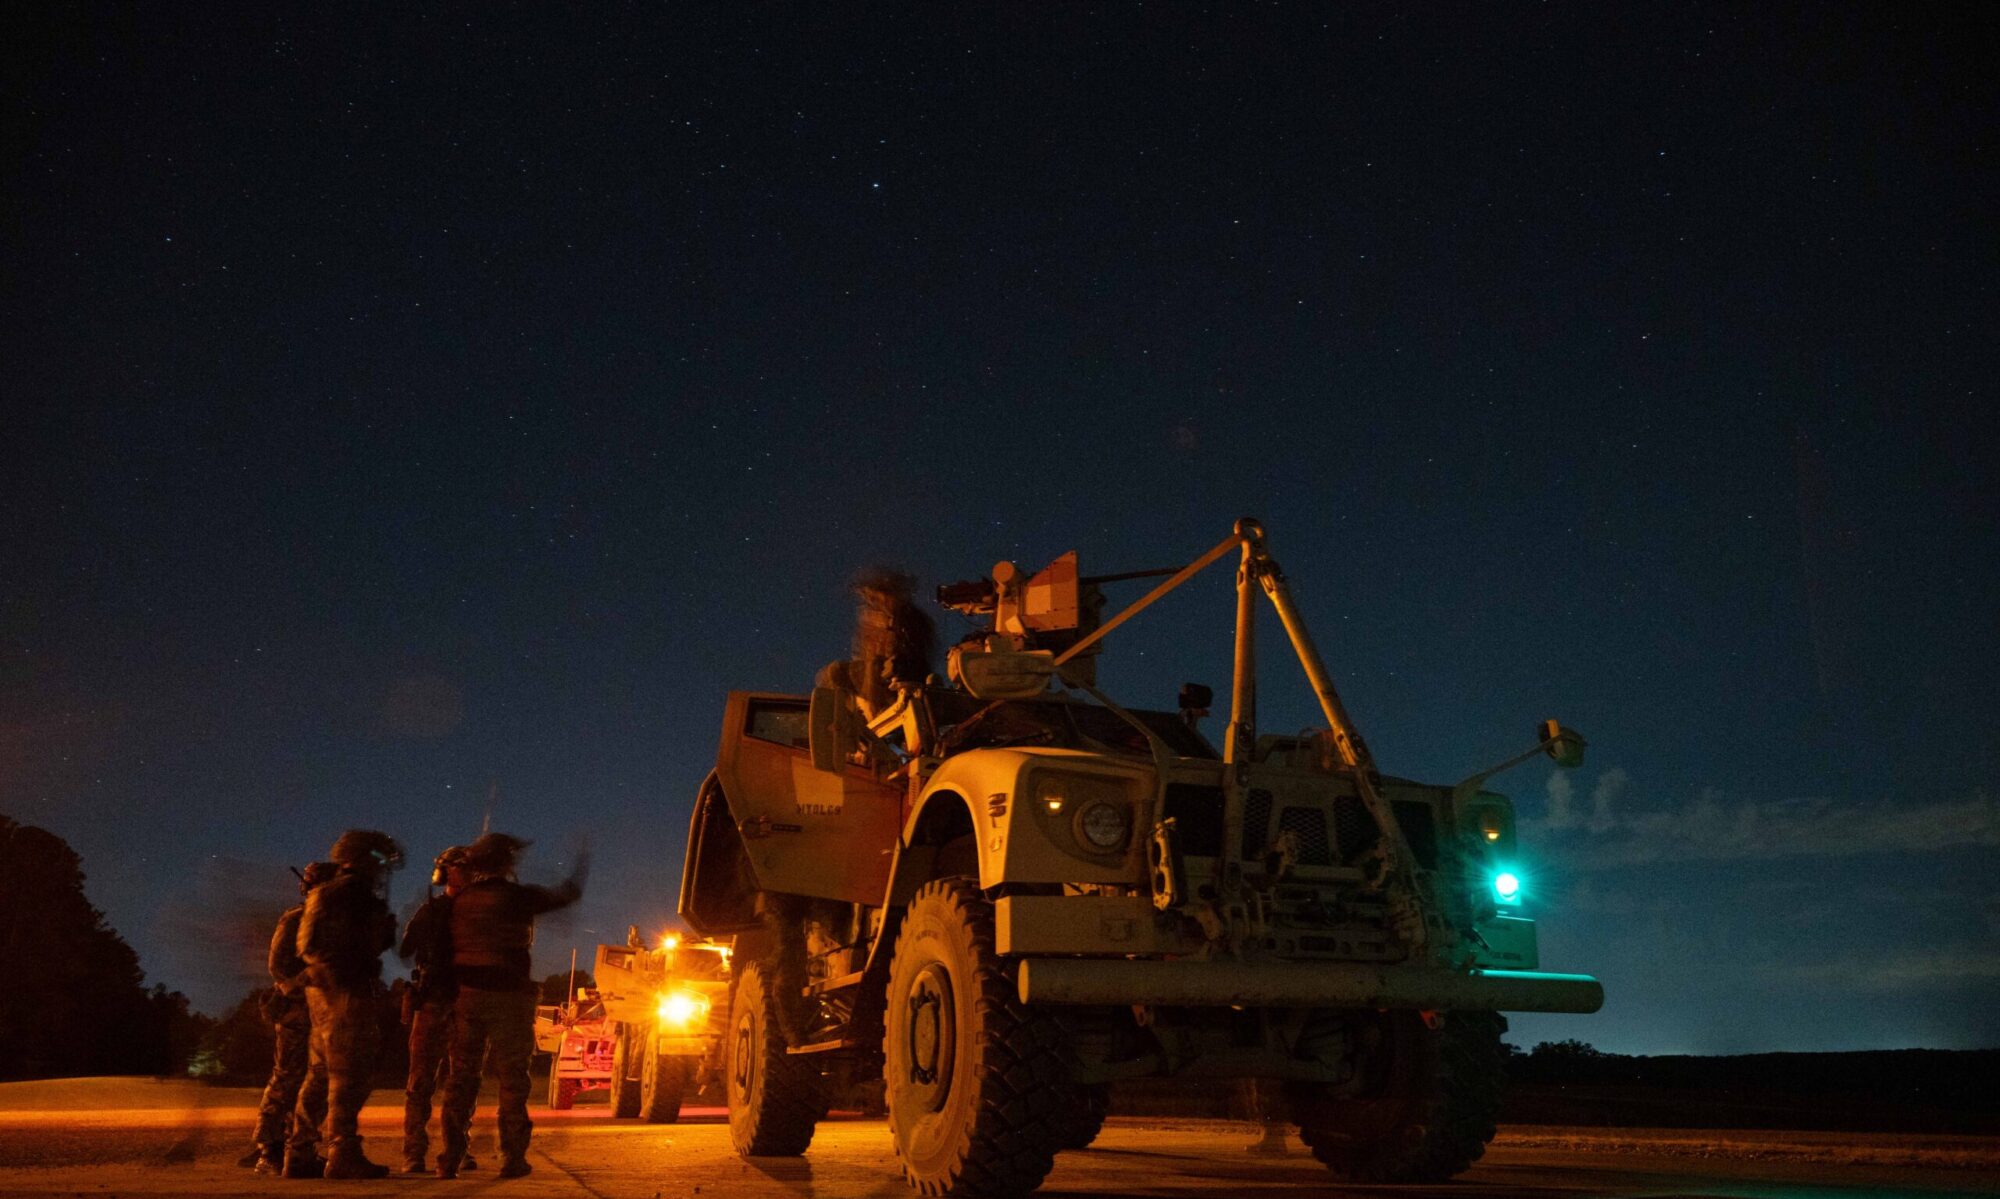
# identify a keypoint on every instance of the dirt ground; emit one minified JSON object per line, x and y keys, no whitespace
{"x":135,"y":1137}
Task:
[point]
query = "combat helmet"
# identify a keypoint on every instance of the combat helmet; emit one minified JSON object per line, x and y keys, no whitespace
{"x":455,"y":855}
{"x":495,"y":853}
{"x":365,"y":847}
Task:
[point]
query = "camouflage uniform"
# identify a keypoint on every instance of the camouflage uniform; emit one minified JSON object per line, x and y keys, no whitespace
{"x":345,"y":928}
{"x":293,"y":1083}
{"x":498,"y":1029}
{"x":427,"y":943}
{"x":492,"y":932}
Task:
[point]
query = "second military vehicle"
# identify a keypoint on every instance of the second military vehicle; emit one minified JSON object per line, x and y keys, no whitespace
{"x":666,"y":1003}
{"x":646,"y":1029}
{"x":1006,"y":892}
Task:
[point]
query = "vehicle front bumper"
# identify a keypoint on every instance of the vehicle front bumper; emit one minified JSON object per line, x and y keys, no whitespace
{"x":682,"y":1044}
{"x":1121,"y":982}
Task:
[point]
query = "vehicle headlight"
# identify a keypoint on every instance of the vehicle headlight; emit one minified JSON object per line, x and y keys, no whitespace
{"x":683,"y":1009}
{"x":1104,"y":825}
{"x":1507,"y":887}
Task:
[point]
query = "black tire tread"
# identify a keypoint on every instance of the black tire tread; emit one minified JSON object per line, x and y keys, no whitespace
{"x":1451,"y":1118}
{"x":562,"y":1094}
{"x":793,"y":1092}
{"x":669,"y":1076}
{"x":624,"y":1090}
{"x":1023,"y":1073}
{"x":1092,"y":1105}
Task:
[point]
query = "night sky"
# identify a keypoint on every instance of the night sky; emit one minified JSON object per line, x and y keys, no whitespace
{"x":400,"y":403}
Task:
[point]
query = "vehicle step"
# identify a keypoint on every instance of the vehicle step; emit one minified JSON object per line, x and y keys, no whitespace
{"x":824,"y":1046}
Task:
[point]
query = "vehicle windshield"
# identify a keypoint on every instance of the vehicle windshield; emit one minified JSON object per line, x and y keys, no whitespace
{"x":1058,"y":722}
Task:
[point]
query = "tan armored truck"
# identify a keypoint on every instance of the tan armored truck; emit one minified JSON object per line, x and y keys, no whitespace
{"x":666,"y":1002}
{"x":1006,"y":892}
{"x":647,"y":1031}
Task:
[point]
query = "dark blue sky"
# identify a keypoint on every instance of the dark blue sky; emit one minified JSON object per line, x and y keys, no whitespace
{"x":399,"y":401}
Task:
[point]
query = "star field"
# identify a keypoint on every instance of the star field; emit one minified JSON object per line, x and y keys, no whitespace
{"x":406,"y":401}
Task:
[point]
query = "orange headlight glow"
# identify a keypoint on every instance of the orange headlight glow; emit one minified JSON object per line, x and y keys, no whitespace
{"x":682,"y":1009}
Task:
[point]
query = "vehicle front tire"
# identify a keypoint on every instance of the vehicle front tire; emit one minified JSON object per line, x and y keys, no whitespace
{"x":624,"y":1075}
{"x":775,"y":1099}
{"x":563,"y":1091}
{"x":1428,"y":1102}
{"x":1092,"y":1105}
{"x":978,"y":1084}
{"x":663,"y":1081}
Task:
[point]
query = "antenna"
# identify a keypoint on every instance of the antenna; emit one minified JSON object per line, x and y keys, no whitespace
{"x":492,"y":797}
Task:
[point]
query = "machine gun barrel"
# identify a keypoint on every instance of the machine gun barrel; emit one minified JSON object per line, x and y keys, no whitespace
{"x":1143,"y":602}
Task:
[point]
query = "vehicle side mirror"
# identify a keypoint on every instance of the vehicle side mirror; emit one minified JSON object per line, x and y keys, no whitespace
{"x":1564,"y":745}
{"x":832,"y":728}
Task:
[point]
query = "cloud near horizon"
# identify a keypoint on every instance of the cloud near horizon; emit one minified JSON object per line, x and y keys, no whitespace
{"x":1914,"y":970}
{"x":1713,"y":828}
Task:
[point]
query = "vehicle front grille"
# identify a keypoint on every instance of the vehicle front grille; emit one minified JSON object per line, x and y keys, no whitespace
{"x":1256,"y":823}
{"x":1308,"y":828}
{"x":1354,"y":829}
{"x":1196,"y":811}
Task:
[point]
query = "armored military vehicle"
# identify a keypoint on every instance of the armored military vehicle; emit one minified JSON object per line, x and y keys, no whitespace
{"x":1006,"y":891}
{"x":664,"y":1002}
{"x":645,"y":1030}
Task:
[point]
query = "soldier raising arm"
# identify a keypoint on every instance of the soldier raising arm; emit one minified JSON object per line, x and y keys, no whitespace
{"x":492,"y":941}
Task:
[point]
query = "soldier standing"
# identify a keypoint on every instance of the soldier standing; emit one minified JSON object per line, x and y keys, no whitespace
{"x":346,"y":926}
{"x":492,"y":936}
{"x":426,"y":946}
{"x":292,"y":1081}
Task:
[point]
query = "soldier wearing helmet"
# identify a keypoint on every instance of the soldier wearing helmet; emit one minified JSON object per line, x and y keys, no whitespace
{"x":346,"y":926}
{"x":293,"y":1081}
{"x":893,"y":638}
{"x":426,"y":945}
{"x":492,"y":937}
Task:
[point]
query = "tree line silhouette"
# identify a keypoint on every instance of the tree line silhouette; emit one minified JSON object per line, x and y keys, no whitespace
{"x":73,"y":1000}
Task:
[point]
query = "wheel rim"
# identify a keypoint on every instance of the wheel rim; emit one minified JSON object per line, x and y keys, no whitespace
{"x":932,"y":1037}
{"x":743,"y":1069}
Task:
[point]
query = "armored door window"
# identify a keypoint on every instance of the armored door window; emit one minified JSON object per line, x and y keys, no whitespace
{"x":778,"y":723}
{"x":806,"y":831}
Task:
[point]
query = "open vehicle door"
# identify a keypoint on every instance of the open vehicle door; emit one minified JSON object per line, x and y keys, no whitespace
{"x":805,"y":831}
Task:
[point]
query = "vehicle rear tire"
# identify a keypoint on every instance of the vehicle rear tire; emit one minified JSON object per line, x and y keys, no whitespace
{"x":978,"y":1084}
{"x":1427,"y":1105}
{"x":775,"y":1099}
{"x":1092,"y":1105}
{"x":624,"y":1072}
{"x":663,"y":1081}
